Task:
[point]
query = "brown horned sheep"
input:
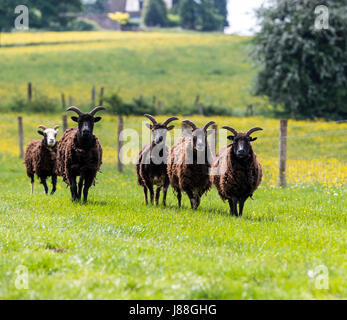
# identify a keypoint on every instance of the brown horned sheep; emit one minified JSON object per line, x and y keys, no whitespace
{"x":189,"y":164}
{"x":236,"y":171}
{"x":80,"y":154}
{"x":40,"y":158}
{"x":151,"y":165}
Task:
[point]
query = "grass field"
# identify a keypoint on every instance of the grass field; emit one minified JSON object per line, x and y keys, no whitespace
{"x":116,"y":247}
{"x":174,"y":67}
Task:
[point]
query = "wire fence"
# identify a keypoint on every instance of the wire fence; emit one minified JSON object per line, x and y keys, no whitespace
{"x":319,"y":156}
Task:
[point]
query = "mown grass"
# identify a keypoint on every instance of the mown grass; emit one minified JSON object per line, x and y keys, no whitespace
{"x":174,"y":67}
{"x":115,"y":247}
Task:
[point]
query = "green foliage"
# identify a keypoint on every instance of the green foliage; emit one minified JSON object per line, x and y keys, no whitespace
{"x":188,"y":12}
{"x":47,"y":14}
{"x":41,"y":104}
{"x":81,"y":24}
{"x":221,"y":6}
{"x":155,"y":13}
{"x":209,"y":19}
{"x":303,"y":70}
{"x":7,"y":15}
{"x":115,"y":105}
{"x":173,"y":20}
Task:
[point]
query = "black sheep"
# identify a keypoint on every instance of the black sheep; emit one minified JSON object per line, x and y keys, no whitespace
{"x":80,"y":154}
{"x":189,"y":164}
{"x":236,"y":171}
{"x":152,"y":161}
{"x":40,"y":158}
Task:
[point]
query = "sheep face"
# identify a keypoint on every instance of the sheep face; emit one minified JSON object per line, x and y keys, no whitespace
{"x":241,"y":145}
{"x":86,"y":124}
{"x":159,"y":132}
{"x":198,"y":135}
{"x":50,"y":136}
{"x":199,"y":138}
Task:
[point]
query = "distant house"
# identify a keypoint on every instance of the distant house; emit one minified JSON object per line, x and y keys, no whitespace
{"x":133,"y":7}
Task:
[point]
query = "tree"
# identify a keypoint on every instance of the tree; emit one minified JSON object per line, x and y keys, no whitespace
{"x":188,"y":11}
{"x":7,"y":15}
{"x":303,"y":64}
{"x":155,"y":13}
{"x":221,"y":6}
{"x":200,"y":15}
{"x":209,"y":19}
{"x":49,"y":14}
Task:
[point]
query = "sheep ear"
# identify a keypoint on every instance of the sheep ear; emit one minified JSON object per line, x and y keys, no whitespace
{"x":149,"y":126}
{"x":253,"y":139}
{"x":170,"y":128}
{"x":231,"y":138}
{"x":74,"y":119}
{"x":97,"y":119}
{"x":41,"y":133}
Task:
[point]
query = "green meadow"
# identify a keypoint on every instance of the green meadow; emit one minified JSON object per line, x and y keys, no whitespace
{"x":289,"y":244}
{"x":116,"y":247}
{"x":174,"y":67}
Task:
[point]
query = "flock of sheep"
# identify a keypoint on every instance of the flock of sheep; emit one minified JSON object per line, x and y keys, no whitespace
{"x":188,"y":166}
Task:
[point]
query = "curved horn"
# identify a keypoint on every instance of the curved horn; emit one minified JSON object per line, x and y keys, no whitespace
{"x":150,"y":118}
{"x":78,"y":111}
{"x":56,"y":127}
{"x":42,"y":127}
{"x":167,"y":121}
{"x":230,"y":129}
{"x":190,"y":123}
{"x":96,"y":109}
{"x":208,"y":124}
{"x":249,"y":132}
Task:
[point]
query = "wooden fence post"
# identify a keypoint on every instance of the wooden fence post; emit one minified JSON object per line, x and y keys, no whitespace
{"x":215,"y":128}
{"x":63,"y":103}
{"x":101,"y":101}
{"x":70,"y":101}
{"x":30,"y":93}
{"x":159,"y":108}
{"x":64,"y":122}
{"x":201,"y":109}
{"x":120,"y":143}
{"x":197,"y":100}
{"x":283,"y":153}
{"x":93,"y":96}
{"x":21,"y":137}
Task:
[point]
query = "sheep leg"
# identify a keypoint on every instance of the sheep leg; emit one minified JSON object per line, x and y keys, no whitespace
{"x":32,"y":184}
{"x":145,"y":192}
{"x":233,"y":206}
{"x":157,"y":195}
{"x":166,"y":186}
{"x":54,"y":183}
{"x":80,"y":186}
{"x":241,"y":204}
{"x":235,"y":201}
{"x":179,"y":198}
{"x":191,"y":198}
{"x":73,"y":188}
{"x":44,"y":183}
{"x":197,"y":201}
{"x":87,"y":184}
{"x":151,"y":191}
